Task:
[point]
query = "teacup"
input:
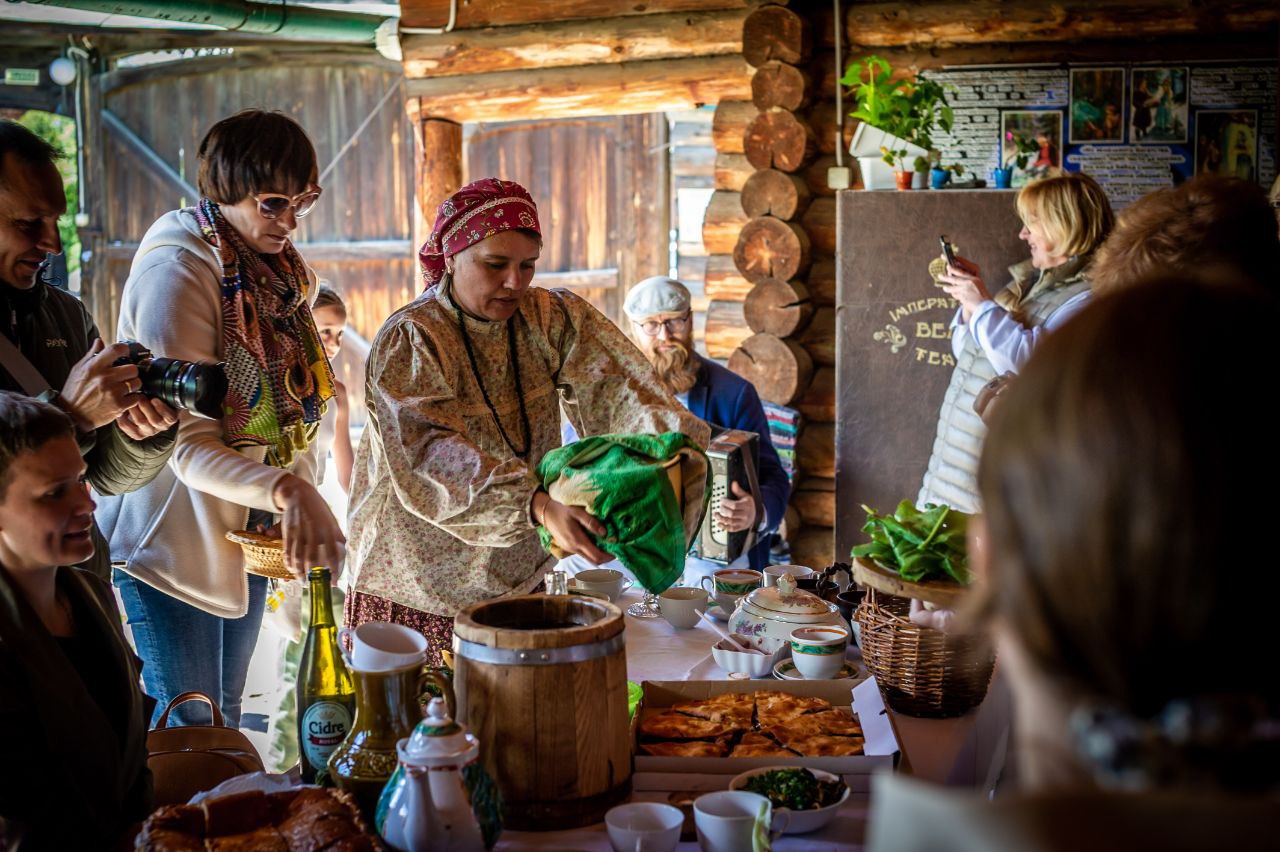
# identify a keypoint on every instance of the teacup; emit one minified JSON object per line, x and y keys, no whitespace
{"x":379,"y":646}
{"x":647,"y":826}
{"x":819,"y":651}
{"x":773,"y":572}
{"x":679,"y":605}
{"x":726,"y":820}
{"x":730,"y":585}
{"x":607,"y":581}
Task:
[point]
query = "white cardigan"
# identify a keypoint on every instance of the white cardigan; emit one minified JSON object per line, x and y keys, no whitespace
{"x":171,"y":533}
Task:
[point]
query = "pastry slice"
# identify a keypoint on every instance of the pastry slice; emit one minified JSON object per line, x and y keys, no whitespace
{"x":259,"y":840}
{"x":669,"y":725}
{"x":837,"y":723}
{"x":759,"y":745}
{"x":821,"y":745}
{"x":774,"y":708}
{"x":690,"y":748}
{"x":736,"y":707}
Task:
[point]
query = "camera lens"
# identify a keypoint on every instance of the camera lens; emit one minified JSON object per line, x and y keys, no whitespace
{"x":183,"y":385}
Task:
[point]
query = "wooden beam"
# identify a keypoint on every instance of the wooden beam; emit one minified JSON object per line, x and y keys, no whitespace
{"x":154,"y":163}
{"x":941,"y":23}
{"x":620,"y":89}
{"x":439,"y":165}
{"x":491,"y":13}
{"x":581,"y":42}
{"x":578,"y":279}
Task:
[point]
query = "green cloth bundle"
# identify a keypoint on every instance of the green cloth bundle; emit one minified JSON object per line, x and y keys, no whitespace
{"x":620,"y":479}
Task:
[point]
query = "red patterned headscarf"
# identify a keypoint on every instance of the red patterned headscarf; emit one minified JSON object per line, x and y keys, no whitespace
{"x":474,"y":213}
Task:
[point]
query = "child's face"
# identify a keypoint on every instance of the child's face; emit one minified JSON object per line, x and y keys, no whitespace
{"x":330,"y":322}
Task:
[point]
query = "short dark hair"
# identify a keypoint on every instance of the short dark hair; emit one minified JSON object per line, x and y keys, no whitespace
{"x":27,"y":424}
{"x":29,"y":148}
{"x":255,"y":151}
{"x":327,"y":297}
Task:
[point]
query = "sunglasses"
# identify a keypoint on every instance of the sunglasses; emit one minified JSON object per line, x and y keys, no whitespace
{"x":272,"y":205}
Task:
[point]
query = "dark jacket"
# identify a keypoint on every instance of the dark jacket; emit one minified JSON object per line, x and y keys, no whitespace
{"x":53,"y":330}
{"x":725,"y":399}
{"x":76,"y":773}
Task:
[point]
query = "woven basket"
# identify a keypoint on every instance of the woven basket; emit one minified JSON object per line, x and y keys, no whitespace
{"x":262,"y":555}
{"x":921,"y":671}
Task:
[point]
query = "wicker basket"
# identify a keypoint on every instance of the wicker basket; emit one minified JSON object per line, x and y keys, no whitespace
{"x":921,"y":671}
{"x":263,"y":556}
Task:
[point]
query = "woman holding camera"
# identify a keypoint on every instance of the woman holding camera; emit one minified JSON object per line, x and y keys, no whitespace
{"x":221,"y":282}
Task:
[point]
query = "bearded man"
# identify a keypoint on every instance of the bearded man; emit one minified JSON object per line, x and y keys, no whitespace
{"x":662,"y":326}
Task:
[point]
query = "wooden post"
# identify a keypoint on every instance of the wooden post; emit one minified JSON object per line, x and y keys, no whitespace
{"x":439,"y":171}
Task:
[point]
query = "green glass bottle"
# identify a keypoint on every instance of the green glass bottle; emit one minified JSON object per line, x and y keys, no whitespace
{"x":326,"y":691}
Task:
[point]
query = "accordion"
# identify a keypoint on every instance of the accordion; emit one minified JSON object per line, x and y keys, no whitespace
{"x":732,"y":458}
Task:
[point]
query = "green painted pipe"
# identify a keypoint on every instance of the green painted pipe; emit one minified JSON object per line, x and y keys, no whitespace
{"x":286,"y":21}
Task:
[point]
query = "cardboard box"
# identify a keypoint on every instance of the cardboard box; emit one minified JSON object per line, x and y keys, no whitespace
{"x":881,"y":750}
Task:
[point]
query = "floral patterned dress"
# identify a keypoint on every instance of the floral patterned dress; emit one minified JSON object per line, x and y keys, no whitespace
{"x":439,"y":502}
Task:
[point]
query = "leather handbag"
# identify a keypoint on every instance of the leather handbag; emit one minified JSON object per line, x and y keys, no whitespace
{"x":190,"y":759}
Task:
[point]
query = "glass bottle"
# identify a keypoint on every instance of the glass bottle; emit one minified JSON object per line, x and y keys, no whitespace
{"x":326,"y":691}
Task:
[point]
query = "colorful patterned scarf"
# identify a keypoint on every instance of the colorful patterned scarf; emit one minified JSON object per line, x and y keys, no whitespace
{"x":277,"y":374}
{"x":474,"y":213}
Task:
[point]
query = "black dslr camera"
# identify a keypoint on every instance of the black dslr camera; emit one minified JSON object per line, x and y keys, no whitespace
{"x":183,"y":385}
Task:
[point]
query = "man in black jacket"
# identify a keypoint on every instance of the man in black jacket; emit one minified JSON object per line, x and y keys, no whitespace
{"x":124,"y":437}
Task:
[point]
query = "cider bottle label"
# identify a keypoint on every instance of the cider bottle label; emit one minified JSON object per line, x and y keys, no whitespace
{"x":324,"y":726}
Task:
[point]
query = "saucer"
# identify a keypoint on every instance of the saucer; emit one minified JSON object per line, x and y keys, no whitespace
{"x":714,"y":610}
{"x":785,"y":669}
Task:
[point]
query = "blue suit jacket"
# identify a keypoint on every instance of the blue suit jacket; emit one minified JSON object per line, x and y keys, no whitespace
{"x":723,"y":398}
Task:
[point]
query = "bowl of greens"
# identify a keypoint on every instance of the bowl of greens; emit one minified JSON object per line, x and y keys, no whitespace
{"x":811,"y":796}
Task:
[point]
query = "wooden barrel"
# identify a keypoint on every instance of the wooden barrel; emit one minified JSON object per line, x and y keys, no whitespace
{"x":541,"y":680}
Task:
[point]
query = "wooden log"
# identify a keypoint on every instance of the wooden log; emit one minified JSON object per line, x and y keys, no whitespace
{"x":780,"y":308}
{"x":770,"y":192}
{"x":819,"y":337}
{"x":814,"y":547}
{"x":780,"y":369}
{"x":440,"y":166}
{"x":726,"y":328}
{"x":822,"y":281}
{"x":823,"y":76}
{"x":777,"y":84}
{"x":723,"y":222}
{"x":779,"y":140}
{"x":815,"y":501}
{"x":816,"y":450}
{"x":625,"y":88}
{"x":501,"y":13}
{"x":818,"y":404}
{"x":822,"y":118}
{"x":815,"y":175}
{"x":724,"y":281}
{"x":819,"y":223}
{"x":938,"y":23}
{"x":771,"y":248}
{"x":732,"y":171}
{"x":776,"y":33}
{"x":729,"y":125}
{"x":585,"y":41}
{"x":790,"y":523}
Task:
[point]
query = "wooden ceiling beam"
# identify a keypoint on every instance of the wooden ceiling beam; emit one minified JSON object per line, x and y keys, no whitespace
{"x":617,"y":89}
{"x":941,"y":23}
{"x":579,"y":42}
{"x":502,"y":13}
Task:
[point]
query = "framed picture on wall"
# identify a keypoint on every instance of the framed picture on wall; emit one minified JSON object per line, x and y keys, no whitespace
{"x":1158,"y":110}
{"x":1039,"y":127}
{"x":1227,"y":143}
{"x":1097,"y":105}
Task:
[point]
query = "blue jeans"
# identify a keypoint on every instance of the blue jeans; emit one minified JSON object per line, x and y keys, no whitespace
{"x":184,"y":648}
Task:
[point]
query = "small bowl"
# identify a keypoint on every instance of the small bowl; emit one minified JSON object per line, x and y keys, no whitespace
{"x":801,"y":822}
{"x":756,"y":665}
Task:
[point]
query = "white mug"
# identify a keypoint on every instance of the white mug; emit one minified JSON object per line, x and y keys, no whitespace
{"x":730,"y":585}
{"x":607,"y":581}
{"x":679,"y":605}
{"x":818,"y":651}
{"x":380,"y":646}
{"x":726,"y":820}
{"x":773,"y":572}
{"x":645,"y":826}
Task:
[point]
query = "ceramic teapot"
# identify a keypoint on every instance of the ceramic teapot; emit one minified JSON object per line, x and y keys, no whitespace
{"x":425,"y":804}
{"x":766,"y":617}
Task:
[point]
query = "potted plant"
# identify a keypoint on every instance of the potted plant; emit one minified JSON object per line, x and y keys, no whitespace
{"x":939,"y":175}
{"x":1023,"y":146}
{"x":897,"y":119}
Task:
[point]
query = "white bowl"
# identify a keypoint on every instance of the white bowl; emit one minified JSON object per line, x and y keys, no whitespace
{"x":801,"y":822}
{"x":756,"y":665}
{"x":648,"y":825}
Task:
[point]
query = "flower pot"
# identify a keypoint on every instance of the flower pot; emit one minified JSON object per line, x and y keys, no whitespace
{"x":1003,"y":177}
{"x":938,"y":178}
{"x":865,"y":147}
{"x":903,"y":179}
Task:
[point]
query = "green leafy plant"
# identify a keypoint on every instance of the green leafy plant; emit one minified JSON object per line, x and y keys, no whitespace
{"x":908,"y":109}
{"x":1026,"y":146}
{"x":926,"y":544}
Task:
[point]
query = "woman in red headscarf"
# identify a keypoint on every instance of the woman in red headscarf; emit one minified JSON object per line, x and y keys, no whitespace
{"x":465,"y":387}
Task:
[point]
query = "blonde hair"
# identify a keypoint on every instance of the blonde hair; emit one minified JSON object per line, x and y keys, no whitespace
{"x":1071,"y":209}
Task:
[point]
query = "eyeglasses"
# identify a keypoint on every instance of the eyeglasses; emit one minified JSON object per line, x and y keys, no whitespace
{"x":678,"y":325}
{"x":272,"y":205}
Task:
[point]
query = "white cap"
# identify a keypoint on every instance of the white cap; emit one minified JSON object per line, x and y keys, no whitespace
{"x":654,"y":296}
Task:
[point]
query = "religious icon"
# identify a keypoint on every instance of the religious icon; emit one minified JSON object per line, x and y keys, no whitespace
{"x":1158,"y":109}
{"x":1097,"y":105}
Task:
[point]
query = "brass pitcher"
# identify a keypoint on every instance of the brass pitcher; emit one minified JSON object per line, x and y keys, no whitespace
{"x":388,"y":708}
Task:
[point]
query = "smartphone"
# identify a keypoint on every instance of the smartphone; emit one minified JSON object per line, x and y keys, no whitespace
{"x":947,"y":250}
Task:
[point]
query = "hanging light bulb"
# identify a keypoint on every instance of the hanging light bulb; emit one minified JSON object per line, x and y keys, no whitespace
{"x":62,"y":71}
